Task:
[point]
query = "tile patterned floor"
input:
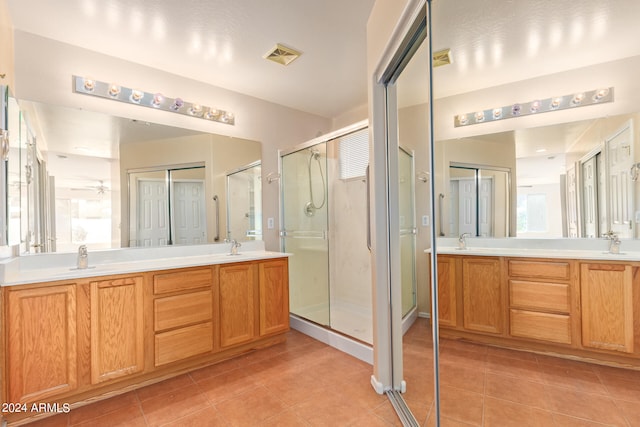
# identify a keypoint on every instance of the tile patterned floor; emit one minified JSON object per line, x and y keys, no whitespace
{"x":305,"y":383}
{"x":298,"y":383}
{"x":491,"y":387}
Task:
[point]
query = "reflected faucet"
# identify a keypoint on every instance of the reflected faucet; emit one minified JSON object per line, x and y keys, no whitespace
{"x":614,"y":242}
{"x":234,"y":247}
{"x":83,"y":257}
{"x":462,"y":240}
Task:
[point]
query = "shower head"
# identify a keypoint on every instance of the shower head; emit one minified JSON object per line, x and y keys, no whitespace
{"x":315,"y":153}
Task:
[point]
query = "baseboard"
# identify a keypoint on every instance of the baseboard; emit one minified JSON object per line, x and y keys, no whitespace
{"x":343,"y":343}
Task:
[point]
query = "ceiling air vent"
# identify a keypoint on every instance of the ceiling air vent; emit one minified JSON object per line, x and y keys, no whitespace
{"x":282,"y":54}
{"x":441,"y":57}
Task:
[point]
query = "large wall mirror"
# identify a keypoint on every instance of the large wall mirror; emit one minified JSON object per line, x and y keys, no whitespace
{"x":568,"y":180}
{"x":76,"y":177}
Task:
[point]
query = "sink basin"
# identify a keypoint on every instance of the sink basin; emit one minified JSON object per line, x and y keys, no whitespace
{"x":612,"y":253}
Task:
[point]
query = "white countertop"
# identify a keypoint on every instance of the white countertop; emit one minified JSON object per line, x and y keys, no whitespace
{"x":588,"y":249}
{"x":49,"y":267}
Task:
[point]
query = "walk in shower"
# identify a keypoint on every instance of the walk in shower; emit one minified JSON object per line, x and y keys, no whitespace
{"x":324,"y":224}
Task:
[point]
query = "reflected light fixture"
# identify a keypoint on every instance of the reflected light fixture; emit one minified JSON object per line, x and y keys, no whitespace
{"x":574,"y":100}
{"x":113,"y":91}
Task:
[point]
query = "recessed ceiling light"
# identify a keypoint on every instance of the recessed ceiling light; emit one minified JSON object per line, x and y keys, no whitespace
{"x":282,"y":54}
{"x":541,"y":150}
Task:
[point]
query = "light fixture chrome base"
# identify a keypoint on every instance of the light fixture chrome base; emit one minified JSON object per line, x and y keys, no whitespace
{"x":114,"y":92}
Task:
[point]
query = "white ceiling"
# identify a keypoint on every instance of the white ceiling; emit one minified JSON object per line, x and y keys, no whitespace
{"x":222,"y":43}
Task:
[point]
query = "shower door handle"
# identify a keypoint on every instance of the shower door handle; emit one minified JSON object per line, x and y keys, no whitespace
{"x":440,"y":203}
{"x":368,"y":210}
{"x":217,"y":210}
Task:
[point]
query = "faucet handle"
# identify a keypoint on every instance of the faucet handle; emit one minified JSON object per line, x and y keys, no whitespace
{"x":82,"y":250}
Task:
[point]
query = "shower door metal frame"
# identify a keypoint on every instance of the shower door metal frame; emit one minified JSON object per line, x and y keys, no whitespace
{"x":282,"y":232}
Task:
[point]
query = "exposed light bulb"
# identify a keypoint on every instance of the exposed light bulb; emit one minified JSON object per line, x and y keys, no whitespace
{"x":89,"y":84}
{"x":136,"y":96}
{"x":114,"y":90}
{"x":177,"y":104}
{"x":577,"y":98}
{"x":515,"y":110}
{"x":463,"y":119}
{"x":555,"y":103}
{"x":195,"y":109}
{"x":157,"y":100}
{"x":535,"y":106}
{"x":497,"y":113}
{"x":479,"y":116}
{"x":600,"y":93}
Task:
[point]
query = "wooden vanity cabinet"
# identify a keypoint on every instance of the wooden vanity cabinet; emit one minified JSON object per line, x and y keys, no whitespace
{"x":447,"y":291}
{"x":117,"y":328}
{"x":92,"y":337}
{"x":42,"y":334}
{"x":274,"y":296}
{"x":540,"y":299}
{"x":607,"y":301}
{"x":237,"y":292}
{"x":482,"y":295}
{"x":183,"y":314}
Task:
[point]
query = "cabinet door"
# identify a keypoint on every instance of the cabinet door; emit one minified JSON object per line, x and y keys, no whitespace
{"x":447,"y":306}
{"x":274,"y":296}
{"x":236,"y":296}
{"x":607,"y":306}
{"x":483,"y":306}
{"x":42,"y":353}
{"x":117,"y":340}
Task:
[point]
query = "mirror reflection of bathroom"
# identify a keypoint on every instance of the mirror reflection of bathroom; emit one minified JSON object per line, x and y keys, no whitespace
{"x":167,"y":206}
{"x":244,"y":203}
{"x":323,"y":196}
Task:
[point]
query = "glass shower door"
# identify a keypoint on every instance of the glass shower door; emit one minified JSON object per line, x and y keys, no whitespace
{"x":244,"y":203}
{"x":304,"y":231}
{"x":407,"y":231}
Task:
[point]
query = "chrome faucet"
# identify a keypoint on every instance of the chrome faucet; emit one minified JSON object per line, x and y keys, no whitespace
{"x":462,"y":240}
{"x":614,"y":242}
{"x":234,"y":247}
{"x":83,"y":257}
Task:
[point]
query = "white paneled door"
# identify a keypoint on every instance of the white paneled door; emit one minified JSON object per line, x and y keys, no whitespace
{"x":619,"y":162}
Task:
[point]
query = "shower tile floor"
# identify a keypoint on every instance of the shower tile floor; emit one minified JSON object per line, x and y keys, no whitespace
{"x":306,"y":383}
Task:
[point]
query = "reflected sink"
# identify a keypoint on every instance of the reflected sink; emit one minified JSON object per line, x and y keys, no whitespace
{"x":80,"y":269}
{"x":613,"y":253}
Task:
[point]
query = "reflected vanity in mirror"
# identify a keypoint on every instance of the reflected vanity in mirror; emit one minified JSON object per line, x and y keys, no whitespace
{"x":77,"y":177}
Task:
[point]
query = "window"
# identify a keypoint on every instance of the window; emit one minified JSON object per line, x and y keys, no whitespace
{"x":532,"y":213}
{"x":353,"y":154}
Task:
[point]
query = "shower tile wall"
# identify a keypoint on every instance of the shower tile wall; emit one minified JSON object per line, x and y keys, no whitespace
{"x":349,"y":258}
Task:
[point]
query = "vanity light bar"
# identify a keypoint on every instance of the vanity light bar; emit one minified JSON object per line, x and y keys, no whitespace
{"x":116,"y":92}
{"x":580,"y":99}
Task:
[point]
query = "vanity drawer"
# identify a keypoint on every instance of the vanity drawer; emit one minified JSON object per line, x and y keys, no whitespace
{"x":182,"y":343}
{"x":181,"y":310}
{"x":558,"y":270}
{"x":181,"y":280}
{"x":539,"y":296}
{"x":541,"y":326}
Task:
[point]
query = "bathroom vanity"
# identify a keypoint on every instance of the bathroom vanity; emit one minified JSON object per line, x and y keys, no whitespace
{"x":73,"y":336}
{"x":577,"y":303}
